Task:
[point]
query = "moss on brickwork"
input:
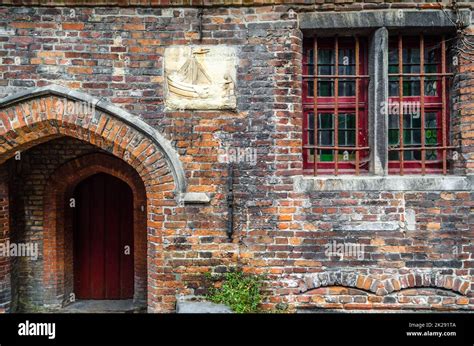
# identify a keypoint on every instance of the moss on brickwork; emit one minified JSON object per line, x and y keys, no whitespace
{"x":242,"y":292}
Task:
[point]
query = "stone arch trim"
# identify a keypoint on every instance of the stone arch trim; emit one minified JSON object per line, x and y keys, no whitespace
{"x":16,"y":120}
{"x":382,"y":287}
{"x":57,"y":249}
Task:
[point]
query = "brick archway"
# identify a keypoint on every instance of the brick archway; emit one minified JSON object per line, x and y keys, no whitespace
{"x":34,"y":117}
{"x":57,"y":225}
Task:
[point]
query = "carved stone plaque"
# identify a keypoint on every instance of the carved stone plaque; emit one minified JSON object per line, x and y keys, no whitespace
{"x":200,"y":77}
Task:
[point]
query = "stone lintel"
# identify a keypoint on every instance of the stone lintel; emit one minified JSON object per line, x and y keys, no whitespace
{"x":395,"y":18}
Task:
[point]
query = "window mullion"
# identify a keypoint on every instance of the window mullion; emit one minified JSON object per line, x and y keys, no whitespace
{"x":336,"y":106}
{"x":315,"y":105}
{"x":357,"y":72}
{"x":378,"y":99}
{"x":443,"y":102}
{"x":401,"y":152}
{"x":422,"y":103}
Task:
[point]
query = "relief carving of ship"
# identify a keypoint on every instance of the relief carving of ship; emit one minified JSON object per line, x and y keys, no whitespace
{"x":191,"y":80}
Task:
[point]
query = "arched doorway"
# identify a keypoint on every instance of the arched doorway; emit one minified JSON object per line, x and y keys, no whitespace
{"x":85,"y":182}
{"x":103,"y":238}
{"x":145,"y":160}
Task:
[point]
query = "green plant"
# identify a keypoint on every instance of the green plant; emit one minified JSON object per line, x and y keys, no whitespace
{"x":241,"y":292}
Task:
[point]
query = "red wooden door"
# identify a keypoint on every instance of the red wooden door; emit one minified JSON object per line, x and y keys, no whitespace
{"x":103,"y":232}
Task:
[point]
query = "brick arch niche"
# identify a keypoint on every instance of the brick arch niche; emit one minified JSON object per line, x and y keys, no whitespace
{"x":57,"y":225}
{"x":137,"y":153}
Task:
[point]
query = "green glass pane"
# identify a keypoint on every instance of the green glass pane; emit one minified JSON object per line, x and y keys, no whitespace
{"x":325,"y":155}
{"x":430,"y":120}
{"x":431,"y":155}
{"x":393,"y":69}
{"x":411,"y":87}
{"x":310,"y":120}
{"x":325,"y":70}
{"x":350,"y":118}
{"x":431,"y":137}
{"x":416,"y":137}
{"x":311,"y":137}
{"x":346,"y":55}
{"x":346,"y":61}
{"x":393,"y":121}
{"x":346,"y":121}
{"x":350,"y":137}
{"x":411,"y":68}
{"x":407,"y":137}
{"x":326,"y":137}
{"x":410,"y":121}
{"x":393,"y":87}
{"x":431,"y":55}
{"x":393,"y":56}
{"x":416,"y":121}
{"x":325,"y":88}
{"x":325,"y":56}
{"x":412,"y":155}
{"x":347,"y":70}
{"x":431,"y":68}
{"x":431,"y":88}
{"x":393,"y":138}
{"x":342,"y":121}
{"x":411,"y":56}
{"x":393,"y":155}
{"x":310,"y":88}
{"x":310,"y":56}
{"x":325,"y":121}
{"x":346,"y":88}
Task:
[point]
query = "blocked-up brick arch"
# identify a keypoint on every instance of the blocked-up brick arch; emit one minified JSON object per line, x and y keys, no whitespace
{"x":37,"y":116}
{"x":57,"y":224}
{"x":381,"y":287}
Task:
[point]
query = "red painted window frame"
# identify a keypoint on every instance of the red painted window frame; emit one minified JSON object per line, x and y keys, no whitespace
{"x":345,"y":104}
{"x":432,"y":104}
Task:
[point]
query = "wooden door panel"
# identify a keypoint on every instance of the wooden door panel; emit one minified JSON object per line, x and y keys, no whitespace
{"x":97,"y":223}
{"x":81,"y":241}
{"x":126,"y":265}
{"x":103,"y":226}
{"x":113,"y":239}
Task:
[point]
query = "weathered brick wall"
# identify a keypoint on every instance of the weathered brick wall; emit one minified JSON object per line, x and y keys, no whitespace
{"x":279,"y":232}
{"x":313,"y":4}
{"x":5,"y":268}
{"x":434,"y":254}
{"x":463,"y":104}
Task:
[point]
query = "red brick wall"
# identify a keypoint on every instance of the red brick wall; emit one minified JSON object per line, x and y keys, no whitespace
{"x":279,"y":232}
{"x":318,"y":4}
{"x":5,"y":275}
{"x":463,"y":107}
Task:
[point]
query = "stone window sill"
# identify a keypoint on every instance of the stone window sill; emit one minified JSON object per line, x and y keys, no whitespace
{"x":384,"y":183}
